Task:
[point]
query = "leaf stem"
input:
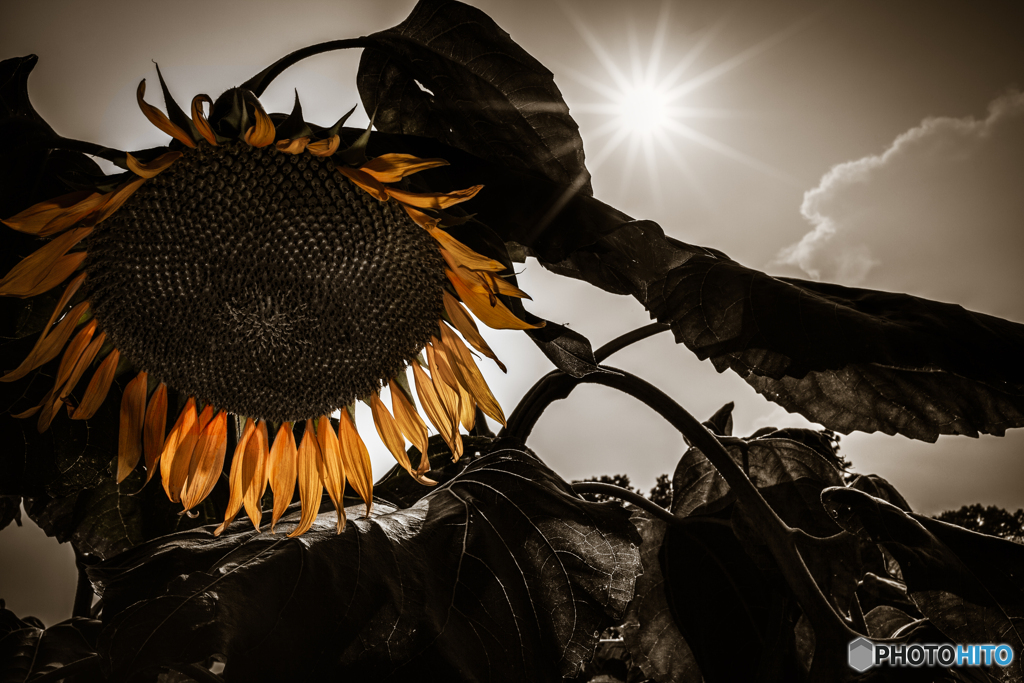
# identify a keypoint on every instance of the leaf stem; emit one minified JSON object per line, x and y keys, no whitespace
{"x":76,"y":667}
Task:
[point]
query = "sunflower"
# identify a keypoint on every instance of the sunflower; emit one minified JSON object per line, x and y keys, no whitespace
{"x":260,"y":270}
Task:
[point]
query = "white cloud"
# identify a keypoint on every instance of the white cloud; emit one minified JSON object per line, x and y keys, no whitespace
{"x":939,"y":214}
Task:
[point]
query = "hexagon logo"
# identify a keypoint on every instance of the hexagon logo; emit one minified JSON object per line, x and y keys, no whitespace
{"x":862,"y":654}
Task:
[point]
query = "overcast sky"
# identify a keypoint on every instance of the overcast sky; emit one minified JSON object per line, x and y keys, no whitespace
{"x":872,"y":143}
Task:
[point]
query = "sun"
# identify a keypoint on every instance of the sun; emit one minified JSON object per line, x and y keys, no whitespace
{"x":649,"y":109}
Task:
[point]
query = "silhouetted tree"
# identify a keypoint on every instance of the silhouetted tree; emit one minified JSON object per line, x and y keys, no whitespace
{"x":991,"y":520}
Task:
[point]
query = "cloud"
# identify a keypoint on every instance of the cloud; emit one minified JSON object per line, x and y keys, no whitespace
{"x":939,"y":214}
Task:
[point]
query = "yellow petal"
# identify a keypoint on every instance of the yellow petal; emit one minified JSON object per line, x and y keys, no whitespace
{"x":324,"y":148}
{"x":462,"y":321}
{"x":412,"y":425}
{"x":447,"y":424}
{"x":199,"y":118}
{"x":310,"y":486}
{"x":390,"y":168}
{"x":46,"y":267}
{"x":207,"y":461}
{"x":433,"y":200}
{"x":483,"y":282}
{"x":54,"y":215}
{"x":282,"y":471}
{"x":332,"y":470}
{"x":365,"y":181}
{"x":254,"y":473}
{"x":112,"y":201}
{"x":491,"y":311}
{"x":153,"y":168}
{"x":129,"y":435}
{"x":296,"y":146}
{"x":185,"y":462}
{"x":470,"y":376}
{"x":261,"y":134}
{"x":173,"y":472}
{"x":81,"y":365}
{"x":463,"y":255}
{"x":389,"y":431}
{"x":445,"y":384}
{"x":159,"y":119}
{"x":73,"y":353}
{"x":356,"y":459}
{"x":98,"y":387}
{"x":153,"y":433}
{"x":235,"y":485}
{"x":51,"y":341}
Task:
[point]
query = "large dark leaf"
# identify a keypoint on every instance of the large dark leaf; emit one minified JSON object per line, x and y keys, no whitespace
{"x":969,"y":586}
{"x":28,"y":650}
{"x":501,"y":574}
{"x":448,"y":72}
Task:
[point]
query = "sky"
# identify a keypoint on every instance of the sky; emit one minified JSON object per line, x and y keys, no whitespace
{"x":874,"y":144}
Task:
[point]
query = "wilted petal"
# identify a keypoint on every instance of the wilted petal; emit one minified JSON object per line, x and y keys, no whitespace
{"x":159,"y":119}
{"x":470,"y":376}
{"x":463,"y":255}
{"x":482,"y":281}
{"x":235,"y":485}
{"x":153,"y":433}
{"x":490,"y":310}
{"x":389,"y":431}
{"x":261,"y":134}
{"x":310,"y":486}
{"x":282,"y":471}
{"x":173,"y":472}
{"x":51,"y":341}
{"x":54,"y":215}
{"x":46,"y":267}
{"x":390,"y":168}
{"x":296,"y":146}
{"x":433,"y":200}
{"x":199,"y":118}
{"x":152,"y":168}
{"x":365,"y":181}
{"x":356,"y":459}
{"x":98,"y":387}
{"x":113,"y":201}
{"x":207,"y":461}
{"x":446,"y":423}
{"x":129,"y":435}
{"x":332,"y":467}
{"x":462,"y":321}
{"x":254,"y":473}
{"x":324,"y":148}
{"x":446,"y":386}
{"x":412,"y":425}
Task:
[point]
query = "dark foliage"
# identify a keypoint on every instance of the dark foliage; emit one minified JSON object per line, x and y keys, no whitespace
{"x":991,"y":520}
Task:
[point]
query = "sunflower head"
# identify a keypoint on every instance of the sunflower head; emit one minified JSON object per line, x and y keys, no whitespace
{"x":260,"y":267}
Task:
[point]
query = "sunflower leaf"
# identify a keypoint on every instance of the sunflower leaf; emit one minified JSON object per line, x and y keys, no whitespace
{"x":450,"y":73}
{"x":461,"y":584}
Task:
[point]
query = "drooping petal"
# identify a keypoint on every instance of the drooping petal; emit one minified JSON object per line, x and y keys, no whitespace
{"x":46,"y":267}
{"x":364,"y":180}
{"x":153,"y":433}
{"x":482,"y":281}
{"x":129,"y":435}
{"x":465,"y":324}
{"x":73,"y":353}
{"x":463,"y":255}
{"x":159,"y":119}
{"x":172,"y":471}
{"x":51,"y":341}
{"x":235,"y":485}
{"x":261,"y":134}
{"x":199,"y":118}
{"x":112,"y":201}
{"x":332,"y":467}
{"x":282,"y":471}
{"x":185,"y":462}
{"x":254,"y":473}
{"x":412,"y":425}
{"x":470,"y":376}
{"x":296,"y":146}
{"x":152,"y":168}
{"x":389,"y":431}
{"x":445,"y":384}
{"x":207,"y":461}
{"x":491,"y":311}
{"x":310,"y":486}
{"x":54,"y":215}
{"x":61,"y":392}
{"x":324,"y":148}
{"x":98,"y":387}
{"x":356,"y":459}
{"x":390,"y":168}
{"x":447,"y":424}
{"x":433,"y":200}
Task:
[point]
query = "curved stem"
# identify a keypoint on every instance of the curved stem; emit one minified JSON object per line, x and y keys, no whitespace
{"x":628,"y":496}
{"x":76,"y":667}
{"x":258,"y":83}
{"x":621,"y":342}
